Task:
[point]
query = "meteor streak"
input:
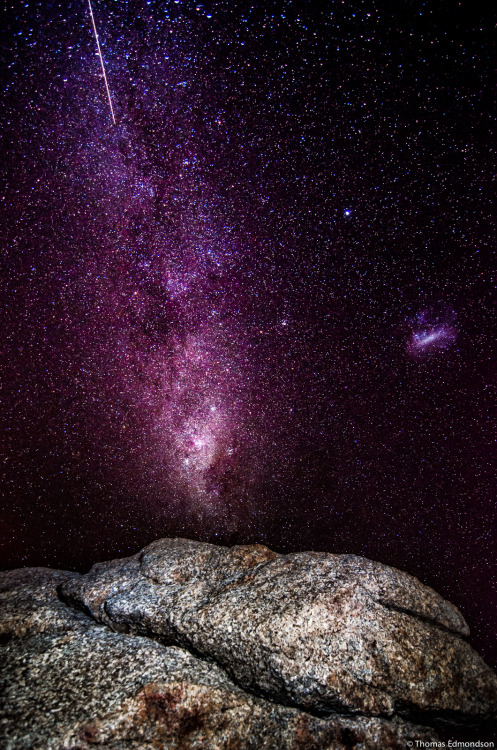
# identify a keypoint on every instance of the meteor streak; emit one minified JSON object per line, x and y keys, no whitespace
{"x":101,"y":62}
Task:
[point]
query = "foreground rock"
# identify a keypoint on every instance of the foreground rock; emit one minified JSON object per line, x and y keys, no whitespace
{"x":68,"y":682}
{"x":322,"y":632}
{"x":189,"y":645}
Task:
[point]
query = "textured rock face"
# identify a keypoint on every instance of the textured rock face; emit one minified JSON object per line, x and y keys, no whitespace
{"x":319,"y":631}
{"x":189,"y":645}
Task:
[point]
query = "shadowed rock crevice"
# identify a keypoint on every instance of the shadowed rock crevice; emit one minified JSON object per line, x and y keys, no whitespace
{"x":74,"y":603}
{"x":422,"y":618}
{"x":186,"y":641}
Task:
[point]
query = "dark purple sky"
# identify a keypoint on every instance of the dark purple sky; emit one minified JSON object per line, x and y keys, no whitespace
{"x":262,"y":306}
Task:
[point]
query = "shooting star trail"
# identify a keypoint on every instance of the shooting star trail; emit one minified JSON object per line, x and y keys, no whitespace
{"x":101,"y":62}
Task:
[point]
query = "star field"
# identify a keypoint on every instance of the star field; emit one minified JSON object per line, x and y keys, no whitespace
{"x":261,"y":307}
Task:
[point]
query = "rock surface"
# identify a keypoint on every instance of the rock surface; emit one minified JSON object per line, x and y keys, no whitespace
{"x":189,"y":645}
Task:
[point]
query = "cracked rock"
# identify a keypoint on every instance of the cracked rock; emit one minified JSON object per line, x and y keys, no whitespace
{"x":190,"y":645}
{"x":318,"y":631}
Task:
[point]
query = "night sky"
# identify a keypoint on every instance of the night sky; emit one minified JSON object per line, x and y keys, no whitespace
{"x":262,"y":306}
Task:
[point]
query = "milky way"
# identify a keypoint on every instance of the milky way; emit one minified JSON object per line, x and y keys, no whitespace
{"x":261,"y":307}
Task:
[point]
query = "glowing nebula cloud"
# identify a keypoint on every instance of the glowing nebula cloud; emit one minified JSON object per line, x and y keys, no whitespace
{"x":432,"y":332}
